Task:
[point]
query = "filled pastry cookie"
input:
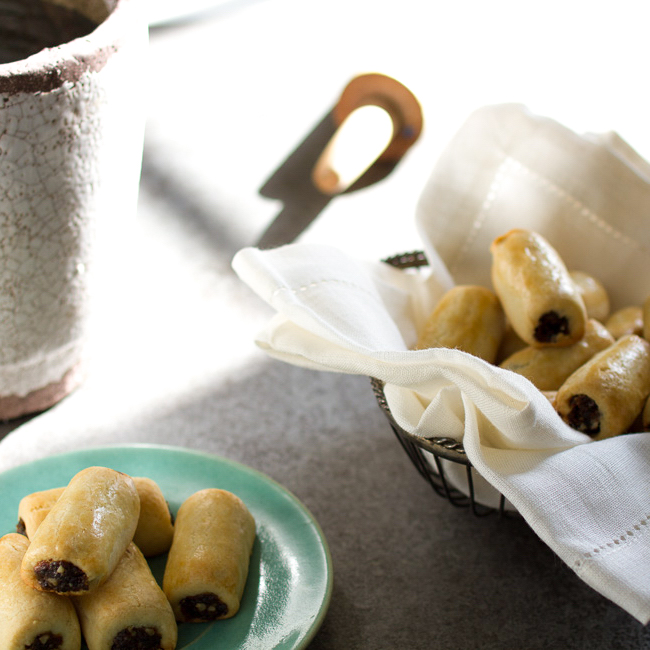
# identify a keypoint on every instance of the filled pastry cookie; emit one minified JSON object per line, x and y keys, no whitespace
{"x":34,"y":507}
{"x":468,"y":318}
{"x":81,"y":540}
{"x":31,"y":619}
{"x":594,"y":295}
{"x":541,"y":301}
{"x":129,"y":611}
{"x":155,"y":529}
{"x":627,"y":320}
{"x":548,"y":368}
{"x":605,"y":395}
{"x":208,"y":562}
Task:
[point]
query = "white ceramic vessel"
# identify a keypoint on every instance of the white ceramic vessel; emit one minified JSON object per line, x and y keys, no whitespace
{"x":71,"y":129}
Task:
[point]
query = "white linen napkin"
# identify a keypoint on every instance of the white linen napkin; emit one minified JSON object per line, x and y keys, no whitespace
{"x":589,"y":501}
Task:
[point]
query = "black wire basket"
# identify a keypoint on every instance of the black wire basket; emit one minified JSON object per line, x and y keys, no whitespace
{"x":429,"y":455}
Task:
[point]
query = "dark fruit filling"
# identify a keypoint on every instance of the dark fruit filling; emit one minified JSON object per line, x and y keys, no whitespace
{"x":550,"y":326}
{"x":137,"y":638}
{"x":46,"y":641}
{"x":584,"y":414}
{"x":203,"y":607}
{"x":60,"y":576}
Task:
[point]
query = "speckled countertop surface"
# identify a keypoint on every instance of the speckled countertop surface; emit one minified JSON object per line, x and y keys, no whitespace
{"x":230,"y":96}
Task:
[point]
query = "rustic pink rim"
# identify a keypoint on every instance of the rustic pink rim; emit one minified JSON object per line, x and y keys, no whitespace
{"x":14,"y":406}
{"x":52,"y":67}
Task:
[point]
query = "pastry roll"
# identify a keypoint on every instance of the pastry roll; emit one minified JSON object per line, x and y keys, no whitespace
{"x":153,"y":534}
{"x":468,"y":318}
{"x":593,"y":293}
{"x":208,"y":562}
{"x":155,"y":530}
{"x":81,"y":540}
{"x":540,"y":299}
{"x":646,"y":318}
{"x":510,"y":343}
{"x":34,"y":507}
{"x":129,"y":611}
{"x":31,"y":619}
{"x":604,"y":396}
{"x":645,"y":416}
{"x":548,"y":368}
{"x":628,"y":320}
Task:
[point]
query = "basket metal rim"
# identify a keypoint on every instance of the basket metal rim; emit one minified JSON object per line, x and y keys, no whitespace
{"x":444,"y":447}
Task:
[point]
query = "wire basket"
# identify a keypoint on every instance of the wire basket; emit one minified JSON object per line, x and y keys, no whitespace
{"x":428,"y":455}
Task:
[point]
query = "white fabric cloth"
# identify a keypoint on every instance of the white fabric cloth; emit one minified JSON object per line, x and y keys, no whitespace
{"x":589,"y":501}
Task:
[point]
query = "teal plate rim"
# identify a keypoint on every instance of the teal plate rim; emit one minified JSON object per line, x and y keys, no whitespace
{"x":290,"y":581}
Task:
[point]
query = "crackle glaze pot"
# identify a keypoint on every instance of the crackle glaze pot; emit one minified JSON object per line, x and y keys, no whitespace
{"x":71,"y":131}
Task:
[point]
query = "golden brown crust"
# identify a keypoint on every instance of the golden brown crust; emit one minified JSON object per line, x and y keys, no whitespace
{"x":594,"y":295}
{"x":34,"y":507}
{"x":208,"y":562}
{"x":604,"y":396}
{"x":645,"y":416}
{"x":510,"y":343}
{"x":155,"y":530}
{"x":628,"y":320}
{"x":542,"y":303}
{"x":129,"y":599}
{"x":81,"y":540}
{"x":548,"y":368}
{"x":29,"y":617}
{"x":646,"y":318}
{"x":468,"y":318}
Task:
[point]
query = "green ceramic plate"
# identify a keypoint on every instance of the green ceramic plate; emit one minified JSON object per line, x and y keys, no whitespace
{"x":290,"y":578}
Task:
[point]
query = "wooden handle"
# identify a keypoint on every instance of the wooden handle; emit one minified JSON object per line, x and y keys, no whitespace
{"x":357,"y":144}
{"x":378,"y":118}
